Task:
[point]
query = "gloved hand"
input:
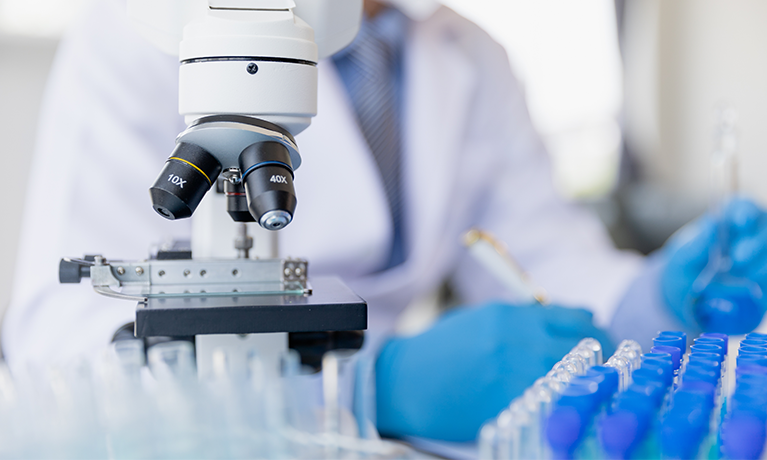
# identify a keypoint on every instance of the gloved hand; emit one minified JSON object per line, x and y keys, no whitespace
{"x":735,"y":307}
{"x":447,"y":381}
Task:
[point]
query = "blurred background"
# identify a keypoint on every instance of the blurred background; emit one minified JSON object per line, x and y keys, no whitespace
{"x":623,"y":91}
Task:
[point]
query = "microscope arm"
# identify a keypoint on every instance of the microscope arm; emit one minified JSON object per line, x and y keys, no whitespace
{"x":162,"y":22}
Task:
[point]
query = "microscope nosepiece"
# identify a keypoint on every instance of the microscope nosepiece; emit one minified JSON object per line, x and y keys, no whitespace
{"x":187,"y":175}
{"x":267,"y":173}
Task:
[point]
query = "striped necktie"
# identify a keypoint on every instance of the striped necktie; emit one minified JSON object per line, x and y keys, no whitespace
{"x":369,"y":70}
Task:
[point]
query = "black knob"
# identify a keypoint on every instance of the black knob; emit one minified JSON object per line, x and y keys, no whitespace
{"x":71,"y":271}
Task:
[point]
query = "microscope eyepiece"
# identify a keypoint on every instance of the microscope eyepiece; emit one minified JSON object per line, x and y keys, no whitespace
{"x":187,"y":175}
{"x":267,"y":173}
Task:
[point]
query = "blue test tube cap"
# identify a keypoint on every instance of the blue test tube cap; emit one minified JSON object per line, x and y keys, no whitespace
{"x":705,"y":390}
{"x":679,"y":334}
{"x":708,"y":348}
{"x":750,"y":369}
{"x":661,"y":367}
{"x":756,"y":335}
{"x":649,"y":375}
{"x":749,"y":398}
{"x":673,"y":333}
{"x":709,"y":362}
{"x":608,"y":384}
{"x":706,"y":354}
{"x":718,"y":335}
{"x":621,"y":432}
{"x":743,"y":436}
{"x":680,"y":437}
{"x":639,"y":403}
{"x":695,"y":394}
{"x":703,"y":356}
{"x":713,"y":341}
{"x":662,"y":360}
{"x":651,"y":390}
{"x":582,"y":394}
{"x":752,"y":349}
{"x":663,"y":356}
{"x":564,"y":429}
{"x":699,"y":371}
{"x":676,"y":354}
{"x":753,"y":389}
{"x":753,"y":342}
{"x":751,"y":359}
{"x":602,"y":394}
{"x":669,"y":341}
{"x":757,"y":382}
{"x":595,"y":377}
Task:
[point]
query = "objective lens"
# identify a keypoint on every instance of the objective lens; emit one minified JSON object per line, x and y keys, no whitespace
{"x":237,"y":202}
{"x":268,"y":177}
{"x":187,"y":175}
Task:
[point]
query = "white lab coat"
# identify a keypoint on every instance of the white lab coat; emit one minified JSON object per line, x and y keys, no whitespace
{"x":471,"y":158}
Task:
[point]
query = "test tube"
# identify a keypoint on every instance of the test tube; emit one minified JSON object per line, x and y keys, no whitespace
{"x":510,"y":422}
{"x":488,"y":441}
{"x":624,"y":370}
{"x":173,"y":361}
{"x":595,"y":347}
{"x":632,"y":352}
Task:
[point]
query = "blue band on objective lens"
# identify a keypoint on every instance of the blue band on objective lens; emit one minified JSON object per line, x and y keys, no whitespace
{"x":267,"y":163}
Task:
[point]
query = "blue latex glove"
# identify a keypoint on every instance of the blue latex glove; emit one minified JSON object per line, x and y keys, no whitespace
{"x":733,"y":310}
{"x":447,"y":381}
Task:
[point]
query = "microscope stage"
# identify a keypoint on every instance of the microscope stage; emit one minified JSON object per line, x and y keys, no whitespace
{"x":331,"y":307}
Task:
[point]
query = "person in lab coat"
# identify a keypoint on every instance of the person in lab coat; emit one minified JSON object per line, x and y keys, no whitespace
{"x":470,"y":157}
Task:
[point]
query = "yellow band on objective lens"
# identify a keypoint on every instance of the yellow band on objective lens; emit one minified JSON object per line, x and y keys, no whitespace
{"x":194,"y":166}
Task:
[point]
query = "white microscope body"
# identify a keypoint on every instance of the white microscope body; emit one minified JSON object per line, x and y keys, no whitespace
{"x":248,"y":78}
{"x":247,"y":83}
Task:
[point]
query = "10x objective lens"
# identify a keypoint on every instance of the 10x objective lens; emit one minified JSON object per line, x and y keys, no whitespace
{"x":187,"y":175}
{"x":268,"y":177}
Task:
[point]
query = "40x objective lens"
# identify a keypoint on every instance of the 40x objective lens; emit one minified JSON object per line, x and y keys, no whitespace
{"x":186,"y":177}
{"x":268,"y":177}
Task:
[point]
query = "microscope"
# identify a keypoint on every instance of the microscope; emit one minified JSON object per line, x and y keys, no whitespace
{"x":247,"y":86}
